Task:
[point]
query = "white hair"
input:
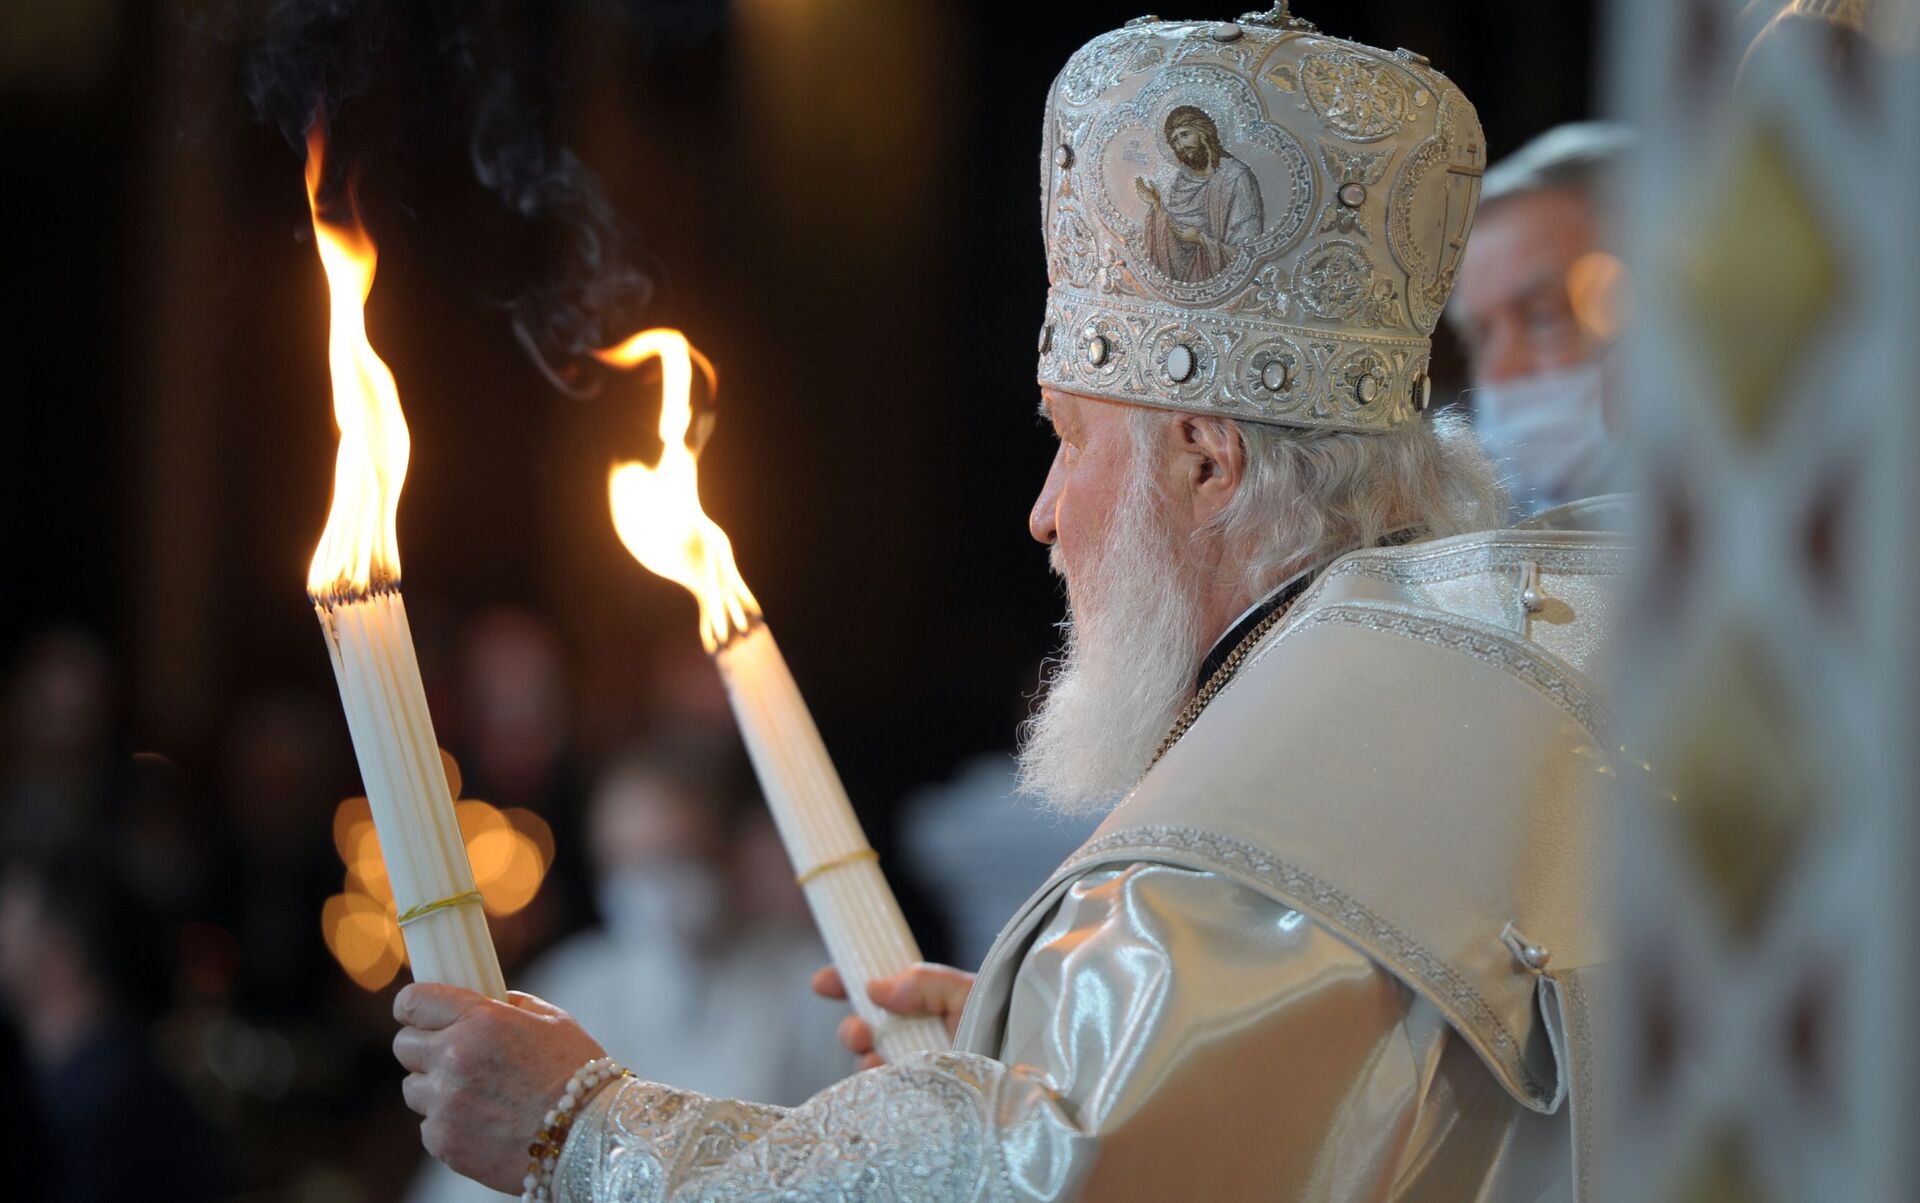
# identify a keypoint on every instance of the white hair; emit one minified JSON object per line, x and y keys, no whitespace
{"x":1127,"y":663}
{"x":1133,"y":638}
{"x":1307,"y":496}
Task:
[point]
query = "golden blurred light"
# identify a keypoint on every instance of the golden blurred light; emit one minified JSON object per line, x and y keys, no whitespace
{"x":507,"y":863}
{"x":517,"y":870}
{"x":487,"y":834}
{"x":805,"y":152}
{"x":364,"y":938}
{"x":452,"y":767}
{"x":656,"y":510}
{"x":367,"y":870}
{"x":351,"y":814}
{"x":477,"y":818}
{"x":535,"y":828}
{"x":1597,"y":287}
{"x":510,"y":851}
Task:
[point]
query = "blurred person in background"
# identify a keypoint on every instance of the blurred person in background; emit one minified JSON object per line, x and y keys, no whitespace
{"x":675,"y":971}
{"x":1538,"y":305}
{"x":696,"y":971}
{"x":512,"y":733}
{"x":167,"y":839}
{"x":981,"y":847}
{"x":281,"y":784}
{"x":59,"y":765}
{"x":764,"y":893}
{"x":84,"y":972}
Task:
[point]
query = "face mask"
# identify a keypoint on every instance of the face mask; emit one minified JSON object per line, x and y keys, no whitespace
{"x":1549,"y":434}
{"x":670,"y":901}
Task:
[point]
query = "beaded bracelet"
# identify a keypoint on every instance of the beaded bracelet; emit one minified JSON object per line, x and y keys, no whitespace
{"x":544,"y":1152}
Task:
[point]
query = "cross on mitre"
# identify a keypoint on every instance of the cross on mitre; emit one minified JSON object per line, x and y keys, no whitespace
{"x":1280,"y":16}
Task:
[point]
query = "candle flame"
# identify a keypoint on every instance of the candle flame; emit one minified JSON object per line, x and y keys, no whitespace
{"x":359,"y":552}
{"x":657,"y":510}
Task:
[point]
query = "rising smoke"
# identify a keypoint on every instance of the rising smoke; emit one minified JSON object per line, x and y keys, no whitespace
{"x":309,"y":58}
{"x":596,"y":289}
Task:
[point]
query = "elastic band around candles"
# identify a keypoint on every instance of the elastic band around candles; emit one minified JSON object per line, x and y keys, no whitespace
{"x":838,"y":862}
{"x":415,"y":913}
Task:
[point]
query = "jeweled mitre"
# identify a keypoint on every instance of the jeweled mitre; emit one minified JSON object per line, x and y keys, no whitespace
{"x":1251,"y":218}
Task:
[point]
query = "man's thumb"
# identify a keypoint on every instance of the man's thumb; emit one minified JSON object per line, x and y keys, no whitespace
{"x":917,"y":991}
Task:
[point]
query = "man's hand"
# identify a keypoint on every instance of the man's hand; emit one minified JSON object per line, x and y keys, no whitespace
{"x":921,"y":990}
{"x":484,"y":1074}
{"x":1147,"y":191}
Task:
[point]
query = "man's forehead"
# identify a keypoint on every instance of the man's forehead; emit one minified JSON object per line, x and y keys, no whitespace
{"x":1060,"y":405}
{"x":1533,"y":227}
{"x":1520,"y":249}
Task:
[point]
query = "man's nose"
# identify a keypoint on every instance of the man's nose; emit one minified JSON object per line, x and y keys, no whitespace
{"x":1042,"y":519}
{"x":1503,"y":357}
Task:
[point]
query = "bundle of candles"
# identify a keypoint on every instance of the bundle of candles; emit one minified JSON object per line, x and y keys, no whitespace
{"x":658,"y":516}
{"x":354,"y":582}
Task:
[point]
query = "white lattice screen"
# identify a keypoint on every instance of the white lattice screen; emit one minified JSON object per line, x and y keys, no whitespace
{"x":1767,"y":1048}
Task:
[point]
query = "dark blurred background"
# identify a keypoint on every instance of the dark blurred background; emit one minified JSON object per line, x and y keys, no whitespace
{"x":835,"y":199}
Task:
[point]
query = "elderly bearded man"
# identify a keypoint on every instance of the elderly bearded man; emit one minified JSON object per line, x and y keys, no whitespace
{"x":1332,"y":944}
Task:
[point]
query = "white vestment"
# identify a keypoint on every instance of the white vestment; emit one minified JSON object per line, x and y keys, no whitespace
{"x":734,"y":1019}
{"x":1335,"y":946}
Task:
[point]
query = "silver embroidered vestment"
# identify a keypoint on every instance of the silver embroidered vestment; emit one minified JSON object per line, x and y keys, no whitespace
{"x":1286,"y":967}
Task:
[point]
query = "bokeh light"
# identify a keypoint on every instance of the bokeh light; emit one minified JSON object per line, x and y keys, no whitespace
{"x":364,"y":938}
{"x":347,"y":817}
{"x":366,"y":868}
{"x":453,"y":773}
{"x":510,"y":852}
{"x":1597,"y":288}
{"x":535,"y":828}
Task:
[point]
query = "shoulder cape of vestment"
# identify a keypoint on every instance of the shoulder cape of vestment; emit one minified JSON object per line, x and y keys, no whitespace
{"x":1418,"y":757}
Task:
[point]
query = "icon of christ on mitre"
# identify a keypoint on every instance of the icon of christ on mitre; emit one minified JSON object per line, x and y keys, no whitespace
{"x":1210,"y":208}
{"x":1339,"y":936}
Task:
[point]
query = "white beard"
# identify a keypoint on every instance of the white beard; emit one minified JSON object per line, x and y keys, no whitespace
{"x":1132,"y":637}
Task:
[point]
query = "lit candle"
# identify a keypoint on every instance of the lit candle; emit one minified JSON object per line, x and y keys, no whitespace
{"x":658,"y":516}
{"x":354,"y":582}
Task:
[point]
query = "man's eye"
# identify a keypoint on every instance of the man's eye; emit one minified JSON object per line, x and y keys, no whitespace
{"x":1547,"y":323}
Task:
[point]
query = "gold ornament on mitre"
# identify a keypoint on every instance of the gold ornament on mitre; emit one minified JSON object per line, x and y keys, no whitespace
{"x":1250,"y":218}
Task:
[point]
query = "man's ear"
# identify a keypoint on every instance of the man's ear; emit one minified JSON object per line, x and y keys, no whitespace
{"x":1215,"y":462}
